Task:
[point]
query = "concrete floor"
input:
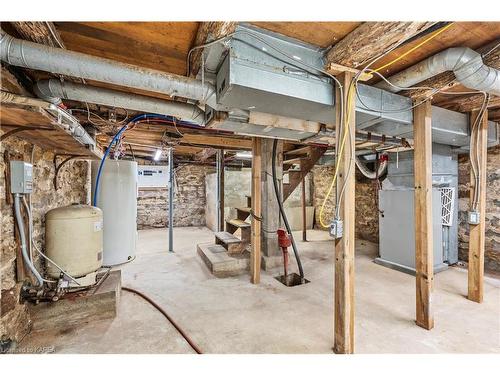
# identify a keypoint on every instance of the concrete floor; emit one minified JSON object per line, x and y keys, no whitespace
{"x":233,"y":316}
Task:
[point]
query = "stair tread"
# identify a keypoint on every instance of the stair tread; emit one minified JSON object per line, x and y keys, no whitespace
{"x":227,"y":237}
{"x":293,"y":161}
{"x":238,"y":223}
{"x":298,"y":151}
{"x":244,"y":209}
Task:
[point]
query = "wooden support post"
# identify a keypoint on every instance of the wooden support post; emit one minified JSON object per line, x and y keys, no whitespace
{"x":344,"y":247}
{"x":424,"y":261}
{"x":477,"y":232}
{"x":255,"y":255}
{"x":304,"y":216}
{"x":220,"y":190}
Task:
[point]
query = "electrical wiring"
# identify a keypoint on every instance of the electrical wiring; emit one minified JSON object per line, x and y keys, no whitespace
{"x":435,"y":34}
{"x":346,"y":127}
{"x":296,"y":62}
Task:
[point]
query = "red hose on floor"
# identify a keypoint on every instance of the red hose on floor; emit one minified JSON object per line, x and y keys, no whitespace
{"x":179,"y":329}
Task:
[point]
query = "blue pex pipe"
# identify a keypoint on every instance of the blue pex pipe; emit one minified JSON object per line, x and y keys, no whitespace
{"x":144,"y":116}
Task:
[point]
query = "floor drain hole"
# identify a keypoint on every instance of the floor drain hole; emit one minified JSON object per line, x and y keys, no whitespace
{"x":292,"y":279}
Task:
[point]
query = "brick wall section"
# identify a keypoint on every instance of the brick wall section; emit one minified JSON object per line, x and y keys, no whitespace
{"x":74,"y":187}
{"x":366,"y":202}
{"x":492,"y":245}
{"x":189,"y":202}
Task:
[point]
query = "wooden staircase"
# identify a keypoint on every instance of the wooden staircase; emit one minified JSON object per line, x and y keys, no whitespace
{"x":229,"y":255}
{"x":297,"y":163}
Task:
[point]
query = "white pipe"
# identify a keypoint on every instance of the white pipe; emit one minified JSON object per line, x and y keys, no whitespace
{"x":466,"y":64}
{"x":60,"y":61}
{"x":22,"y":235}
{"x":53,"y":90}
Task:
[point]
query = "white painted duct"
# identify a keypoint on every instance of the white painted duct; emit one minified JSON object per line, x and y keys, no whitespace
{"x":74,"y":64}
{"x":53,"y":90}
{"x":466,"y":64}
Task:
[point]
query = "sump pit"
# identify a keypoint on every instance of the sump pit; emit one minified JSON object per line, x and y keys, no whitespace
{"x":292,"y":279}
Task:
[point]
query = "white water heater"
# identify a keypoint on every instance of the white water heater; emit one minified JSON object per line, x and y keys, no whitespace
{"x":117,"y":198}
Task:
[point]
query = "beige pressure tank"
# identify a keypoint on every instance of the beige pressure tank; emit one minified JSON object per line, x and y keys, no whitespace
{"x":73,"y":239}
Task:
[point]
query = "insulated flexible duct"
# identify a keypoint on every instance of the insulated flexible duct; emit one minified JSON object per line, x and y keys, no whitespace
{"x":37,"y":56}
{"x":53,"y":90}
{"x":372,"y":175}
{"x":466,"y":64}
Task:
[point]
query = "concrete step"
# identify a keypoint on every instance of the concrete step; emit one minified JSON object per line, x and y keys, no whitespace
{"x":231,"y":243}
{"x":220,"y":263}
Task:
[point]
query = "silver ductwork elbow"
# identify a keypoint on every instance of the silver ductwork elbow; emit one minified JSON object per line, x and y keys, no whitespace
{"x":54,"y":90}
{"x":74,"y":64}
{"x":466,"y":64}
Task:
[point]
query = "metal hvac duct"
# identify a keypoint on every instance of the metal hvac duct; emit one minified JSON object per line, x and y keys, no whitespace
{"x":60,"y":61}
{"x":53,"y":90}
{"x":466,"y":64}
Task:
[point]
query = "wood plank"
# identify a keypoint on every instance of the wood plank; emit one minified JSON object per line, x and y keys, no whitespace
{"x":304,"y":217}
{"x":255,"y":254}
{"x":477,"y":232}
{"x":344,"y":247}
{"x":220,"y":188}
{"x":424,"y":261}
{"x":39,"y":32}
{"x":323,"y":34}
{"x":371,"y":39}
{"x":208,"y":31}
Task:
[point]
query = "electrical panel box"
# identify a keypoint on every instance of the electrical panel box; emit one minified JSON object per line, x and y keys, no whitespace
{"x":152,"y":176}
{"x":21,"y":177}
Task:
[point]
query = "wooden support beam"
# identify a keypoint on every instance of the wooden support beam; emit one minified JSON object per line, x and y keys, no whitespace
{"x":207,"y":32}
{"x":344,"y":247}
{"x":304,"y":216}
{"x":39,"y":32}
{"x":469,"y":103}
{"x":477,"y":232}
{"x":255,"y":255}
{"x":424,"y":262}
{"x":205,"y":154}
{"x":371,"y":39}
{"x":220,"y":189}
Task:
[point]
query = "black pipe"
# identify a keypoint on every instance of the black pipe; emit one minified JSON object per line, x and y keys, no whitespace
{"x":282,"y":211}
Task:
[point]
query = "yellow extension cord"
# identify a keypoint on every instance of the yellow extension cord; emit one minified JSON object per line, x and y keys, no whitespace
{"x":339,"y":158}
{"x":350,"y":103}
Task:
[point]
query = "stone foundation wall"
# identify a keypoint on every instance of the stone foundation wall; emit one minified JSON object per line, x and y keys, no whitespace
{"x":366,"y":202}
{"x":189,"y":201}
{"x":492,"y":244}
{"x":73,"y":187}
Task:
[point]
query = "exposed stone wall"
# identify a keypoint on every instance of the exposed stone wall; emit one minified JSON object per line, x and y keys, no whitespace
{"x":492,"y":245}
{"x":189,"y":201}
{"x":73,"y":187}
{"x":322,"y":178}
{"x":366,"y":202}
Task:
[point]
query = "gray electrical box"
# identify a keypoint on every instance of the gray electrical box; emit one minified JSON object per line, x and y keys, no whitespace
{"x":21,"y":177}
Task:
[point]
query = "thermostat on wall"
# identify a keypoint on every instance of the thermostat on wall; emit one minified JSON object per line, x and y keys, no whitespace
{"x":153,"y":176}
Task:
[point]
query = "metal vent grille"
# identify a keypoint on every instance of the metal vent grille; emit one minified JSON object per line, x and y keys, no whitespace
{"x":447,"y":204}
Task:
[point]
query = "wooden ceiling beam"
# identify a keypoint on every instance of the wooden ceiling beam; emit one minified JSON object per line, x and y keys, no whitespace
{"x":207,"y":32}
{"x":39,"y":32}
{"x":370,"y":39}
{"x":468,"y":103}
{"x":447,"y":79}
